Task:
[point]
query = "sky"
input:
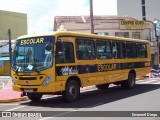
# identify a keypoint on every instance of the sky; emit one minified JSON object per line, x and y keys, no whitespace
{"x":40,"y":13}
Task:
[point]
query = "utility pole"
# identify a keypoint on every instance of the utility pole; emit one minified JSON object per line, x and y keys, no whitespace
{"x":143,"y":10}
{"x":10,"y":49}
{"x":156,"y":22}
{"x":91,"y":17}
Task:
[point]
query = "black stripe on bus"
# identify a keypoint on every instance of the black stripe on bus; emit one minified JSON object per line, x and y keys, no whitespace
{"x":82,"y":69}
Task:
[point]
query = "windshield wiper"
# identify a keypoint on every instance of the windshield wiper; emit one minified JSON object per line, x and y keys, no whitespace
{"x":35,"y":68}
{"x":37,"y":71}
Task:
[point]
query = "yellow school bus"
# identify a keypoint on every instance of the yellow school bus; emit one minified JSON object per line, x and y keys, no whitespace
{"x":63,"y":62}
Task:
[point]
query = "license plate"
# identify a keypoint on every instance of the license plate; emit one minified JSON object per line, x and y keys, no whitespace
{"x":28,"y":90}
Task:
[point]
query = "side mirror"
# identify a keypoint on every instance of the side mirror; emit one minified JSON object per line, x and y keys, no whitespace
{"x":15,"y":53}
{"x":48,"y":47}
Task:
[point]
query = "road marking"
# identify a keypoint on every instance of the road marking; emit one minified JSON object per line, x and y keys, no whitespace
{"x":147,"y":81}
{"x":2,"y":85}
{"x":157,"y":83}
{"x":45,"y":118}
{"x":74,"y":110}
{"x":15,"y":108}
{"x":29,"y":108}
{"x":1,"y":106}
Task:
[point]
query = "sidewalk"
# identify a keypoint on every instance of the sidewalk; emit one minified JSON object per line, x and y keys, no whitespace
{"x":7,"y":94}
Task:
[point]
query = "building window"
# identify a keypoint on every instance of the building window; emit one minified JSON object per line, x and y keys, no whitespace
{"x":136,"y":35}
{"x":122,"y":34}
{"x":102,"y":33}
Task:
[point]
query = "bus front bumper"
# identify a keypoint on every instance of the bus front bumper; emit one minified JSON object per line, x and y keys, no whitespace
{"x":50,"y":88}
{"x":41,"y":89}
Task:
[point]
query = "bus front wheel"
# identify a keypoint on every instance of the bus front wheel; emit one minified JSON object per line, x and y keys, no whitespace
{"x":130,"y":83}
{"x":72,"y":91}
{"x":35,"y":97}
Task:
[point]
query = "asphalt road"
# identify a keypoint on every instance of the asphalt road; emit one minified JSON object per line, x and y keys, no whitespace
{"x":145,"y":98}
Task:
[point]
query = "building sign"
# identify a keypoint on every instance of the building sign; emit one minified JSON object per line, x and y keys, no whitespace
{"x":132,"y":24}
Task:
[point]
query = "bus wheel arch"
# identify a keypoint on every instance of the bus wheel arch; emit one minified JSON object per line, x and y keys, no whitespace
{"x":72,"y":89}
{"x":132,"y":71}
{"x":76,"y":78}
{"x":130,"y":82}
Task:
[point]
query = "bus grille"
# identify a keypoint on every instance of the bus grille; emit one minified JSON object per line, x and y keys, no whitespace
{"x":27,"y":78}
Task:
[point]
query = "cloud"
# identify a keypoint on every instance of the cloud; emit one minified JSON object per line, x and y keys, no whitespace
{"x":42,"y":24}
{"x":40,"y":13}
{"x":45,"y":22}
{"x":105,"y":7}
{"x":72,"y":7}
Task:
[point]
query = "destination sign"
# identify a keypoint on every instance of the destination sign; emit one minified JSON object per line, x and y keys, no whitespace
{"x":32,"y":41}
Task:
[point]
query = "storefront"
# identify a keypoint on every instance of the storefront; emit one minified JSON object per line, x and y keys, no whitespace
{"x":4,"y":66}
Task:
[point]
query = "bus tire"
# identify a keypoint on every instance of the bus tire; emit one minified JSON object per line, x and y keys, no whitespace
{"x":72,"y":91}
{"x":35,"y":97}
{"x":130,"y":83}
{"x":102,"y":87}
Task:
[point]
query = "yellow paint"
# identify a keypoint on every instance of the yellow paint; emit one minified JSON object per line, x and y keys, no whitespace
{"x":32,"y":41}
{"x":107,"y":68}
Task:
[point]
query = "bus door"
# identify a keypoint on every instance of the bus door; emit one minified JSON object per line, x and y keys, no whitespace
{"x":65,"y":61}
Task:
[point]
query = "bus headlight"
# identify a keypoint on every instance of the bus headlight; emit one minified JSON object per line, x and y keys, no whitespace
{"x":47,"y":81}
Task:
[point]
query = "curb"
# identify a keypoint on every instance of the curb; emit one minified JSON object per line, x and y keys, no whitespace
{"x":5,"y":77}
{"x":14,"y":100}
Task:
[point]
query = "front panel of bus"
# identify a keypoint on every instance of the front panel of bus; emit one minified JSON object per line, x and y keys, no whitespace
{"x":33,"y":68}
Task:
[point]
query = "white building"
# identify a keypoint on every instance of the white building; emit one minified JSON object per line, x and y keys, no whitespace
{"x":134,"y":8}
{"x":106,"y":25}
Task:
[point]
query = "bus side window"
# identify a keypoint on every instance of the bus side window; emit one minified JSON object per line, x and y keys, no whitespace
{"x":85,"y":49}
{"x":104,"y":50}
{"x":131,"y":49}
{"x":64,"y":53}
{"x":142,"y":50}
{"x":118,"y":50}
{"x":114,"y":49}
{"x":69,"y":53}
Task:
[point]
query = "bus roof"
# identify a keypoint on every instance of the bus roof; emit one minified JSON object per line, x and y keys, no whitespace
{"x":85,"y":35}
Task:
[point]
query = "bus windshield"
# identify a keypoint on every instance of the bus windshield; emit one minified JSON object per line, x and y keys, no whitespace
{"x":33,"y":54}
